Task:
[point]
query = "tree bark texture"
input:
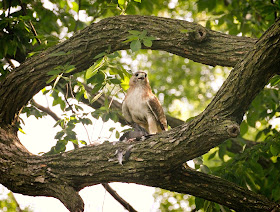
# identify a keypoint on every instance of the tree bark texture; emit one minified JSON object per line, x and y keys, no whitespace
{"x":157,"y":161}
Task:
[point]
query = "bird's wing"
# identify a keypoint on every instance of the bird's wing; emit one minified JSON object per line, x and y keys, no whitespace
{"x":126,"y":113}
{"x":157,"y":111}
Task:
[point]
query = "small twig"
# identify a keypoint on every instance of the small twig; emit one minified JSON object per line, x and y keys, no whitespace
{"x":117,"y":197}
{"x":66,"y":100}
{"x":66,"y":94}
{"x":46,"y":110}
{"x":30,"y":23}
{"x":71,"y":90}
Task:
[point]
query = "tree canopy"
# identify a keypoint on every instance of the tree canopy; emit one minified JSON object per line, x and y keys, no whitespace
{"x":213,"y":64}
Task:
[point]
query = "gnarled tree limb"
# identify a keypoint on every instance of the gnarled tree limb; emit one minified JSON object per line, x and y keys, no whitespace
{"x":156,"y":161}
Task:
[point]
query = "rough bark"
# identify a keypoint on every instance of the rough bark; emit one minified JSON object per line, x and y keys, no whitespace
{"x":156,"y":161}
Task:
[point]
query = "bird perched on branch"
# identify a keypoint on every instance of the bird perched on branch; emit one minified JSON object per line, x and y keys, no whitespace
{"x":142,"y":107}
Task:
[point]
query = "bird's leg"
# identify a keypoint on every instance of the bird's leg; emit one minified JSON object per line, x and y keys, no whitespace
{"x":138,"y":128}
{"x":135,"y":135}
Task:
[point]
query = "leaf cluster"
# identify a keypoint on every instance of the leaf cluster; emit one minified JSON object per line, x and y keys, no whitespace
{"x":137,"y":38}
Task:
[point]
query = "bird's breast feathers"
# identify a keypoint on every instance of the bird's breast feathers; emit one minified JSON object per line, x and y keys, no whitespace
{"x":136,"y":102}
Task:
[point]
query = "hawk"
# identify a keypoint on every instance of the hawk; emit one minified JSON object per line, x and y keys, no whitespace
{"x":142,"y":107}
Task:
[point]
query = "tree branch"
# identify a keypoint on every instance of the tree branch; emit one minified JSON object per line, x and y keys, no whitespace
{"x":156,"y":161}
{"x":114,"y":194}
{"x":46,"y":110}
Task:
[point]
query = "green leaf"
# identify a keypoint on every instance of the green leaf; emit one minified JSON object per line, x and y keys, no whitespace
{"x":54,"y":72}
{"x":135,"y":45}
{"x":112,"y":129}
{"x":114,"y":55}
{"x":204,"y":169}
{"x":69,"y":68}
{"x":115,"y":81}
{"x":275,"y":80}
{"x":117,"y":134}
{"x":96,"y":97}
{"x":143,"y":34}
{"x":243,"y":128}
{"x":212,"y":155}
{"x":134,"y":32}
{"x":86,"y":121}
{"x":222,"y":151}
{"x":252,"y":118}
{"x":51,"y":79}
{"x":83,"y":142}
{"x":275,"y":149}
{"x":147,"y":42}
{"x":93,"y":69}
{"x":21,"y":130}
{"x":121,"y":2}
{"x":138,"y":1}
{"x":99,"y":55}
{"x":198,"y":161}
{"x":59,"y":135}
{"x":131,"y":38}
{"x":74,"y":141}
{"x":75,"y":6}
{"x":98,"y":78}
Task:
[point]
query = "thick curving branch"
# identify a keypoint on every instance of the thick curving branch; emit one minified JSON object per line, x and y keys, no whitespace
{"x":156,"y":161}
{"x":214,"y":49}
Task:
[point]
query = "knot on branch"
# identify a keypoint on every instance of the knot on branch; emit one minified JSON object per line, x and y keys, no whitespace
{"x":233,"y":130}
{"x":199,"y":34}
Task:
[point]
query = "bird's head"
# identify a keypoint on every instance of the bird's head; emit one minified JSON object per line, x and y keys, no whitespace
{"x":139,"y":78}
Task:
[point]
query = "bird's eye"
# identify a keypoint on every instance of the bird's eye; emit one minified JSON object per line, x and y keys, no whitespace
{"x":136,"y":75}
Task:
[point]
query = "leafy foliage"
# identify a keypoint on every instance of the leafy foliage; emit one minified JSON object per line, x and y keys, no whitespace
{"x":136,"y":38}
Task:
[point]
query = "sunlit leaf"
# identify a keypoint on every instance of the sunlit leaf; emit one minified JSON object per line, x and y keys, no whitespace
{"x":134,"y":32}
{"x":96,"y":97}
{"x":121,"y":2}
{"x":51,"y":79}
{"x":93,"y":69}
{"x":99,"y":55}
